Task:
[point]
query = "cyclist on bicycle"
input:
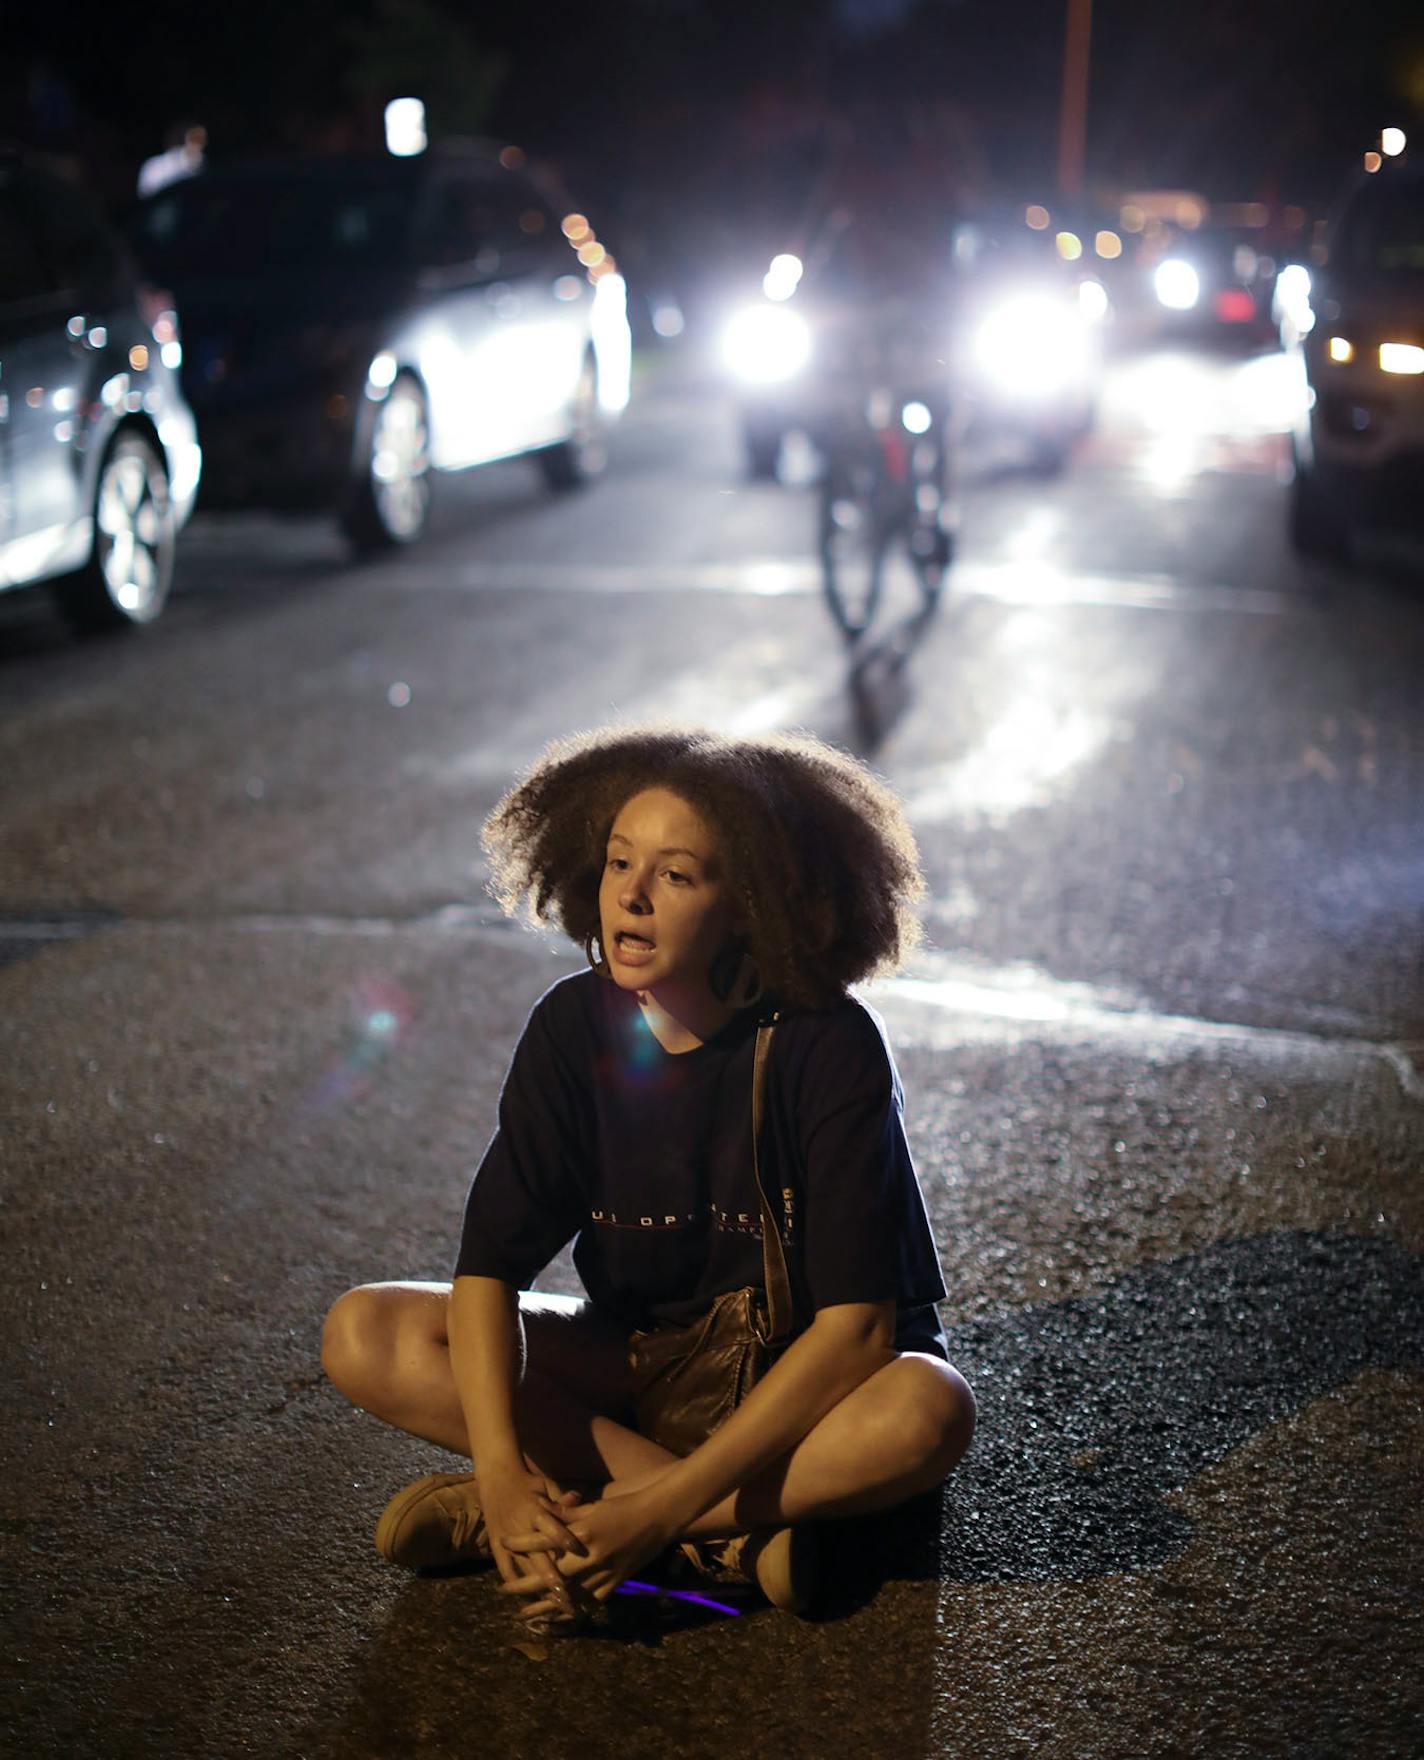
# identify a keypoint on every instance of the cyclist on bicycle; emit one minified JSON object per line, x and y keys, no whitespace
{"x":881,"y":423}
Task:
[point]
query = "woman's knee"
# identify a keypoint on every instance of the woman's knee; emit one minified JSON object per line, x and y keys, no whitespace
{"x":359,"y":1339}
{"x":346,"y":1338}
{"x":930,"y":1412}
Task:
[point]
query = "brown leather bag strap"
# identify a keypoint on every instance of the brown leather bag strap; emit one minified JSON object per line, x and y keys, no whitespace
{"x":778,"y":1279}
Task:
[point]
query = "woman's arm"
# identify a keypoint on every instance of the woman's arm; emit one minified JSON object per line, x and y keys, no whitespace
{"x":487,"y":1361}
{"x":843,"y":1347}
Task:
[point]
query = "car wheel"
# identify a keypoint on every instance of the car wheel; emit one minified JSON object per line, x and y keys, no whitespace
{"x":390,"y":500}
{"x":1315,"y":526}
{"x":130,"y":568}
{"x":763,"y":454}
{"x":1047,"y":456}
{"x":583,"y":455}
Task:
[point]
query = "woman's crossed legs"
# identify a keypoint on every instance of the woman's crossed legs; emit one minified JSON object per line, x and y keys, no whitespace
{"x":385,"y":1346}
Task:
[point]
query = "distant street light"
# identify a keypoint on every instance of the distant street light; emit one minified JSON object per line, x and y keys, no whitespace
{"x":1392,"y":142}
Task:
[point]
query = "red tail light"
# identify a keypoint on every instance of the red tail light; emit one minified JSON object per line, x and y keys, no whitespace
{"x":1235,"y":306}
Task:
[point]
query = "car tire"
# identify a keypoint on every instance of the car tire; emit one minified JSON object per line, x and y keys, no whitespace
{"x":390,"y":497}
{"x":126,"y":581}
{"x":1048,"y":457}
{"x":1315,"y":525}
{"x":580,"y":458}
{"x":763,"y":454}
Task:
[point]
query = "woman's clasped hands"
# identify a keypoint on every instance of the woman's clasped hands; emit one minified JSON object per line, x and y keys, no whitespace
{"x":525,"y":1522}
{"x":608,"y":1538}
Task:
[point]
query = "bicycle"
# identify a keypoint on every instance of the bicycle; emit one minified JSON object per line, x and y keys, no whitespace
{"x":885,"y":478}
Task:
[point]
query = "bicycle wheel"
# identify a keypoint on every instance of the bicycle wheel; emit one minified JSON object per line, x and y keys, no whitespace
{"x":930,"y":533}
{"x":852,"y":541}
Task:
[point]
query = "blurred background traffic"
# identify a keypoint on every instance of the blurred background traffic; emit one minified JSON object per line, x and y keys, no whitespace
{"x":270,"y":263}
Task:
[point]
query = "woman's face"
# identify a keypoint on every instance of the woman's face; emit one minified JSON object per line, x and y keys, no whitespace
{"x":664,"y":905}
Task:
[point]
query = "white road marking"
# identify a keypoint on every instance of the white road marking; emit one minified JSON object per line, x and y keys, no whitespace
{"x":1016,"y":583}
{"x":943,"y":1001}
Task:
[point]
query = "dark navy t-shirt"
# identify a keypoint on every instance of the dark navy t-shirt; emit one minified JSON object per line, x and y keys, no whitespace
{"x":646,"y":1157}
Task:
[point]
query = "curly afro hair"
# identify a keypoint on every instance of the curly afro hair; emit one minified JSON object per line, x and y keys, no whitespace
{"x":818,"y":848}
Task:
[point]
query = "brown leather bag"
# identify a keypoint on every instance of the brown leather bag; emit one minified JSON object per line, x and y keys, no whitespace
{"x":689,"y":1379}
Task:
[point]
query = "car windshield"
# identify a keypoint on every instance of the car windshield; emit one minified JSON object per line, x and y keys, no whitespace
{"x":885,"y":256}
{"x":1383,"y":231}
{"x":228,"y":225}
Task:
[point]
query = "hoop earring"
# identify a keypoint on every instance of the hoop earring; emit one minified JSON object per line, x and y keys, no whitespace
{"x":722,"y":974}
{"x":727,"y":970}
{"x":599,"y":965}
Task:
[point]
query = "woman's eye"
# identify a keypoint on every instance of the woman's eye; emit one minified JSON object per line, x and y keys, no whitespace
{"x":681,"y":878}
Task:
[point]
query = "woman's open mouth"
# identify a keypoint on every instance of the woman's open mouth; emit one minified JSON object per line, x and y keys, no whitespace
{"x":632,"y":948}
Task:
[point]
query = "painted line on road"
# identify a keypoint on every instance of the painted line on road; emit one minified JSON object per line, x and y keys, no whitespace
{"x":758,"y":577}
{"x":1045,"y":585}
{"x":1010,"y":1000}
{"x":1040,"y":585}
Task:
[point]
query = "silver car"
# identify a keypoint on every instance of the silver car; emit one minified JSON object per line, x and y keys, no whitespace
{"x":99,"y":457}
{"x":356,"y":325}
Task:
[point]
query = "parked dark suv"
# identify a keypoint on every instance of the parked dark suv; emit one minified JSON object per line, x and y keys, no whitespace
{"x":1359,"y":445}
{"x":355,"y":323}
{"x":99,"y":461}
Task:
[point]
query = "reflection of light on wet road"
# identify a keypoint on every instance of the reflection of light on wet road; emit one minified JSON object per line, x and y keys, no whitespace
{"x":714,"y":691}
{"x":1033,"y":738}
{"x":1036,"y":536}
{"x":1029,"y":747}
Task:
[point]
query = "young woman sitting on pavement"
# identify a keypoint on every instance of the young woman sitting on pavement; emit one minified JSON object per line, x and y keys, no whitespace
{"x":714,"y":884}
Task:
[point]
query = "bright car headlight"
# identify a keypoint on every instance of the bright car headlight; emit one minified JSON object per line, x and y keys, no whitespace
{"x":1401,"y":357}
{"x":1176,"y":284}
{"x":766,"y":345}
{"x":1032,"y":347}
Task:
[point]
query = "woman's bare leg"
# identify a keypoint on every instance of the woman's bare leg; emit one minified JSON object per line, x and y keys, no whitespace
{"x":386,"y":1347}
{"x":900,"y":1432}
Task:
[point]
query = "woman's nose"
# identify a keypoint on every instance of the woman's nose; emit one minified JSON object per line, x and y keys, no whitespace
{"x":633,"y":896}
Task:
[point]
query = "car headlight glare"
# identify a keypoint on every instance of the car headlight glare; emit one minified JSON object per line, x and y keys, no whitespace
{"x":767,"y":345}
{"x":1176,"y":284}
{"x":1032,"y":347}
{"x":381,"y":374}
{"x":1401,"y":357}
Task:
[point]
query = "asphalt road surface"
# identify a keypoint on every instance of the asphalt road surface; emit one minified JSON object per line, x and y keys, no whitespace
{"x":1162,"y":1053}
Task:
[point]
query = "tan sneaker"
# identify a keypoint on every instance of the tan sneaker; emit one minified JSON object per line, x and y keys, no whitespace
{"x":781,"y":1562}
{"x":434,"y":1521}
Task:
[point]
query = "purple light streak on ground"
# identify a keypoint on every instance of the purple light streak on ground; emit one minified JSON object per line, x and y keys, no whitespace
{"x":629,"y":1587}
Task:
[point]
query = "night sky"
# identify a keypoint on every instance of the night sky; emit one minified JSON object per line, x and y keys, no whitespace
{"x":652,"y":103}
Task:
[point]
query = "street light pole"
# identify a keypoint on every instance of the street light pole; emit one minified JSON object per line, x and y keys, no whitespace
{"x":1073,"y":120}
